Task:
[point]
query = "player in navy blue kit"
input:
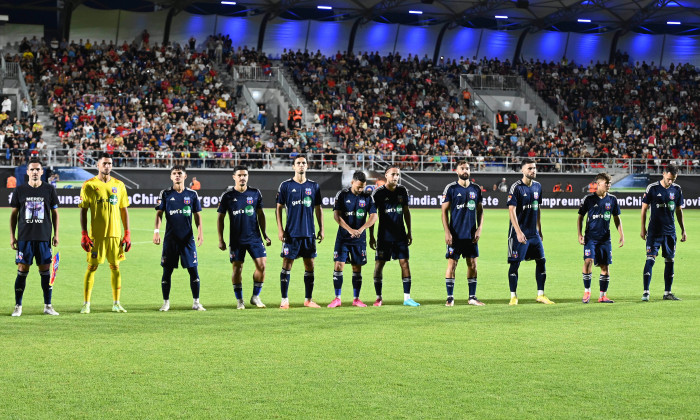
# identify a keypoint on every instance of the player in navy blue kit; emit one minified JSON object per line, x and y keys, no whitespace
{"x":180,"y":206}
{"x":598,"y":208}
{"x":244,"y":207}
{"x":525,"y":231}
{"x":394,"y":238}
{"x":462,"y":220}
{"x":35,"y":210}
{"x":354,"y":211}
{"x":665,"y":199}
{"x":301,"y":197}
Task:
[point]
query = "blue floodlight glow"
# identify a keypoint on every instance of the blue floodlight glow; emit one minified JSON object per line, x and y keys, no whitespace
{"x":501,"y":17}
{"x":584,"y":20}
{"x":670,"y":22}
{"x":324,"y":7}
{"x":415,"y":12}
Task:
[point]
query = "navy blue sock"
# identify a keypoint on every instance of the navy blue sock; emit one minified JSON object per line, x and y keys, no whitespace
{"x":603,"y":281}
{"x":587,"y":280}
{"x":668,"y":276}
{"x":472,"y":286}
{"x":513,"y":276}
{"x":338,"y":282}
{"x":45,"y":287}
{"x":165,"y":282}
{"x":406,"y":285}
{"x":450,"y":285}
{"x":238,"y":291}
{"x":284,"y":282}
{"x":648,"y":267}
{"x":308,"y":284}
{"x":378,"y":286}
{"x":540,"y":273}
{"x":194,"y":282}
{"x":356,"y":285}
{"x":20,"y":284}
{"x":257,"y":288}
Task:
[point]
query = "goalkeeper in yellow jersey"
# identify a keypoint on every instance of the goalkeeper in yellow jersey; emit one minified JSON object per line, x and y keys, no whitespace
{"x":106,"y":200}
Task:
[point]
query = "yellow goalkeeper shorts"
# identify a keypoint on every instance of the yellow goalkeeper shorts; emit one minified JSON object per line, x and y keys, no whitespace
{"x":106,"y":248}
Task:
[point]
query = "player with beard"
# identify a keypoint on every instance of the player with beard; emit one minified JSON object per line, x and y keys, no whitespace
{"x":525,"y":231}
{"x":462,"y":220}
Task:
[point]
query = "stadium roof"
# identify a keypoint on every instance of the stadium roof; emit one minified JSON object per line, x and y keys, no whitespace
{"x":650,"y":16}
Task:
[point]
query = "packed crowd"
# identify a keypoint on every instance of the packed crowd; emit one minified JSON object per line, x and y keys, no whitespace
{"x":400,"y":109}
{"x":625,"y":110}
{"x":167,"y":104}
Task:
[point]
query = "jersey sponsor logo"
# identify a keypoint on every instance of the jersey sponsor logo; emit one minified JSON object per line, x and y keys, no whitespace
{"x":391,"y":209}
{"x":113,"y":200}
{"x":172,"y":198}
{"x":360,"y":213}
{"x":187,"y":200}
{"x":249,"y":200}
{"x":606,"y":216}
{"x":306,"y":201}
{"x":459,"y":195}
{"x":535,"y":205}
{"x":471,"y":205}
{"x":672,"y":205}
{"x":362,"y":203}
{"x":249,"y":211}
{"x":114,"y":190}
{"x":294,"y":190}
{"x":307,"y":191}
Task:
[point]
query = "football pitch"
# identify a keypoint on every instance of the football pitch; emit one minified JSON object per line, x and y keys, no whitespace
{"x":569,"y":360}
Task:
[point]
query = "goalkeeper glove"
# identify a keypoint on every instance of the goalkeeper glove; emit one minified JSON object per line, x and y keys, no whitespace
{"x":86,"y":242}
{"x":126,"y":241}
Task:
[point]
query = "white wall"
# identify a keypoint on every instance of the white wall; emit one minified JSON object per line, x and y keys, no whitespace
{"x":13,"y":33}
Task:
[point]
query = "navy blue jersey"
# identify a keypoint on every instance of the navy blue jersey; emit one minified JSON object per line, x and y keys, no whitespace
{"x":463,"y":202}
{"x":299,"y":200}
{"x":662,"y":202}
{"x":599,"y":211}
{"x":527,"y":206}
{"x":178,"y":209}
{"x":390,"y":209}
{"x":242,"y":209}
{"x":354,"y":209}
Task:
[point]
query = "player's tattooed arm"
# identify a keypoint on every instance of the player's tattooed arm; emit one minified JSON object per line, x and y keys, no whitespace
{"x":262,"y":224}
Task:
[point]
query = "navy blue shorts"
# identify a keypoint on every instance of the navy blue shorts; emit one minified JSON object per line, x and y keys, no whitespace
{"x":391,"y":250}
{"x":299,"y":248}
{"x":237,"y":251}
{"x":667,"y":243}
{"x":530,"y":250}
{"x":354,"y":253}
{"x":175,"y":250}
{"x":600,"y":252}
{"x":464,"y":248}
{"x":28,"y":251}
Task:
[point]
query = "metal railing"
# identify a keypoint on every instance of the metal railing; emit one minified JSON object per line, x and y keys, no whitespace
{"x":531,"y":96}
{"x":250,"y":101}
{"x":478,"y":101}
{"x":333,"y":161}
{"x":13,"y":71}
{"x":271,"y":74}
{"x":511,"y":83}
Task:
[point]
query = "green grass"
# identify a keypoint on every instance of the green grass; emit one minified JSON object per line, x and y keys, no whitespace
{"x":629,"y":359}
